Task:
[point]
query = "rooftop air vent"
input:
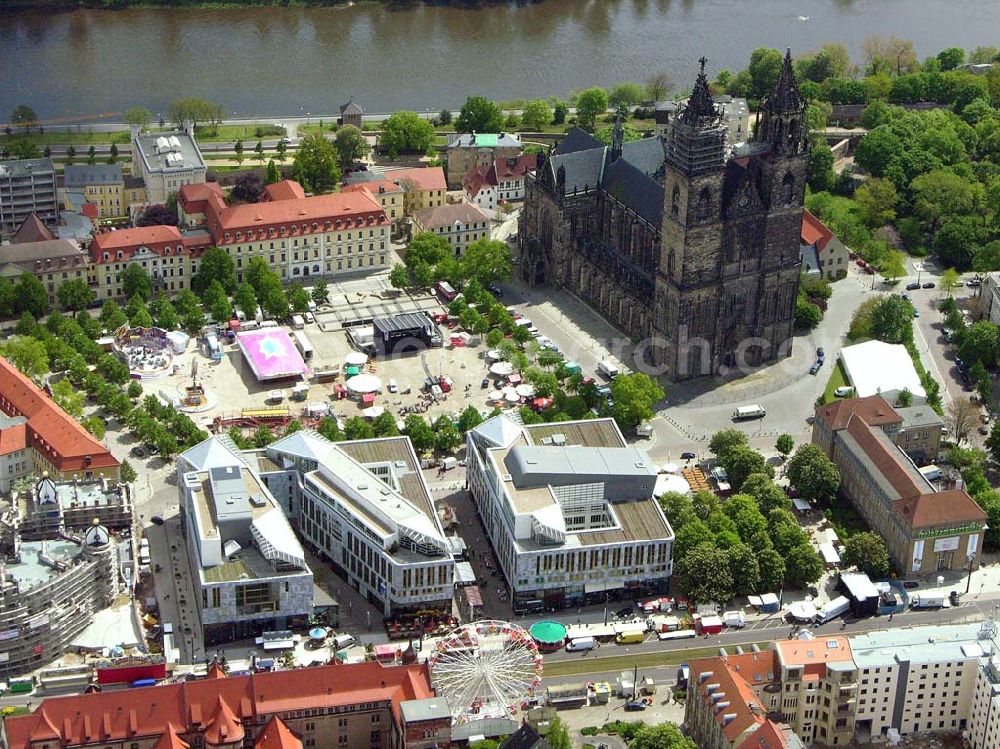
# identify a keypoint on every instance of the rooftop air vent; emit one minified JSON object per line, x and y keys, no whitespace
{"x":559,"y":439}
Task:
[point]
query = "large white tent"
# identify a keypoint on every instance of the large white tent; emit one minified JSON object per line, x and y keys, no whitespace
{"x":364,"y":383}
{"x":879,"y":368}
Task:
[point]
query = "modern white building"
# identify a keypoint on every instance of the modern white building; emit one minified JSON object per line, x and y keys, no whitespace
{"x":879,"y":368}
{"x":365,"y":505}
{"x":166,"y":162}
{"x":569,"y":510}
{"x":250,"y":570}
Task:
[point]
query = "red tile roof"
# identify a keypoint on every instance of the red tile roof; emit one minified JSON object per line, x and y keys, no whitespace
{"x":13,"y":438}
{"x":814,"y":231}
{"x":193,"y":198}
{"x":885,"y":457}
{"x":158,"y":239}
{"x":170,"y":740}
{"x":355,"y":210}
{"x":373,"y":187}
{"x":425,"y":178}
{"x":287,"y":189}
{"x":875,"y":410}
{"x":744,"y":711}
{"x":32,"y":230}
{"x":50,"y":430}
{"x":225,"y":727}
{"x":768,"y":736}
{"x":946,"y":508}
{"x":209,"y":704}
{"x":277,"y":735}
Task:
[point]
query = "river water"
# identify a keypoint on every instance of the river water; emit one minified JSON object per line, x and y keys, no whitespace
{"x":270,"y":61}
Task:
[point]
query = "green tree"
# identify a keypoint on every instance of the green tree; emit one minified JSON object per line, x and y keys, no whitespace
{"x":743,"y":510}
{"x":606,"y":134}
{"x":405,"y":132}
{"x":479,"y":115}
{"x":741,"y":462}
{"x":112,"y":316}
{"x":981,"y":343}
{"x":238,"y":151}
{"x":558,"y":736}
{"x":591,"y":104}
{"x":275,"y":302}
{"x":744,"y":569}
{"x":69,"y":398}
{"x":803,"y":566}
{"x":320,"y":294}
{"x":358,"y":428}
{"x":819,"y":173}
{"x":444,"y":116}
{"x":765,"y":65}
{"x":164,"y":314}
{"x":31,"y":296}
{"x":399,"y":277}
{"x":134,"y":390}
{"x":894,"y":265}
{"x":427,"y":248}
{"x":958,"y":241}
{"x":877,"y":149}
{"x":136,"y":282}
{"x":75,"y":294}
{"x":469,"y":419}
{"x":384,"y":425}
{"x":446,"y":436}
{"x":328,"y":428}
{"x":272,"y":174}
{"x":892,"y":320}
{"x":626,"y":94}
{"x":724,"y":441}
{"x":216,"y":265}
{"x":298,"y":298}
{"x":92,"y":155}
{"x":317,"y":163}
{"x":766,"y":493}
{"x":281,"y":151}
{"x":662,"y":736}
{"x":560,"y":111}
{"x":634,"y":396}
{"x":351,"y":144}
{"x":951,"y":58}
{"x":112,"y":153}
{"x":23,"y":116}
{"x":486,"y":261}
{"x":536,"y":115}
{"x":245,"y":300}
{"x":868,"y":553}
{"x":658,"y":85}
{"x":419,"y":431}
{"x":986,"y":260}
{"x":812,"y":473}
{"x":784,"y":445}
{"x":70,"y":154}
{"x":704,"y":574}
{"x":28,"y":354}
{"x":876,"y":201}
{"x":771,"y":566}
{"x":259,"y":151}
{"x":127,"y":472}
{"x":940,"y":193}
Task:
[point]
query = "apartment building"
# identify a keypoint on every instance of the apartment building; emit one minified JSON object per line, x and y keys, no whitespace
{"x":925,"y":530}
{"x":500,"y":182}
{"x":730,"y":701}
{"x":165,"y":162}
{"x":460,"y":224}
{"x":251,"y":570}
{"x":27,"y":186}
{"x":466,"y":151}
{"x":569,"y":510}
{"x":389,"y":194}
{"x":101,"y":184}
{"x":37,"y":437}
{"x":168,"y":256}
{"x":364,"y":504}
{"x":299,"y":237}
{"x":352,"y":706}
{"x":52,"y":261}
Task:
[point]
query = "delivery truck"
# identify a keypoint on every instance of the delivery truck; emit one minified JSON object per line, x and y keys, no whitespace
{"x":833,"y":609}
{"x":928,"y":600}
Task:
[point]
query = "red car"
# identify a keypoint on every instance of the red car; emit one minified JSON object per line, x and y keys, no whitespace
{"x":869,"y":270}
{"x":852,"y":255}
{"x":861,"y":263}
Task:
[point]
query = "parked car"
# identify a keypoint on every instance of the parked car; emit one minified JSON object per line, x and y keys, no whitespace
{"x":624,"y":611}
{"x":929,"y":285}
{"x":485,"y":383}
{"x":869,"y":270}
{"x":688,"y":455}
{"x":852,"y":255}
{"x":633,"y":706}
{"x":820,"y":353}
{"x":916,"y":312}
{"x":861,"y":263}
{"x":912,"y":286}
{"x":974,"y":282}
{"x":157,"y":520}
{"x":815,"y":367}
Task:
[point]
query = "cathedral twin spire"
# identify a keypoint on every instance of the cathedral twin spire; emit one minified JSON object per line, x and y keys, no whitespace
{"x":700,"y":108}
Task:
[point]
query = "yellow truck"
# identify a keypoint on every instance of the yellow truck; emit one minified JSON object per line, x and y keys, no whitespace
{"x":630,"y":638}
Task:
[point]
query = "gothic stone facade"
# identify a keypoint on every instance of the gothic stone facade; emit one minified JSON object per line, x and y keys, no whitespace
{"x":695,"y":258}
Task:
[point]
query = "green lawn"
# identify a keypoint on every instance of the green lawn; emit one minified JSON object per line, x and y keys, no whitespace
{"x":625,"y":662}
{"x":63,"y":137}
{"x":225,"y":133}
{"x":837,"y":379}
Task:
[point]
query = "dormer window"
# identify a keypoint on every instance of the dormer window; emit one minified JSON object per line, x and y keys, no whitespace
{"x":226,"y":236}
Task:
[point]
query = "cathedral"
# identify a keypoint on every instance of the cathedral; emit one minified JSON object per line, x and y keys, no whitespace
{"x":687,"y":243}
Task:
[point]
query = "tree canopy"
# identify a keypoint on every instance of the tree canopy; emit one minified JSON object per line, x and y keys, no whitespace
{"x":479,"y":115}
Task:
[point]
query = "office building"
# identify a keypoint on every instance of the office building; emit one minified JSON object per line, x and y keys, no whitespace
{"x":27,"y":186}
{"x":165,"y":162}
{"x":460,"y":224}
{"x":569,"y":510}
{"x":249,"y":569}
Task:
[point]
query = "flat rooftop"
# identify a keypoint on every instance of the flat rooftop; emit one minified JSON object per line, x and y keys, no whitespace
{"x":31,"y":571}
{"x":87,"y":495}
{"x":921,"y":644}
{"x":26,"y":167}
{"x":160,"y":151}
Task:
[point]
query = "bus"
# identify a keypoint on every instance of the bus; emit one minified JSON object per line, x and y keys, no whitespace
{"x":303,"y":344}
{"x":749,"y":412}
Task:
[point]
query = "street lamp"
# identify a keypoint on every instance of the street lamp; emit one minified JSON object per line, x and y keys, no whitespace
{"x":971,"y":558}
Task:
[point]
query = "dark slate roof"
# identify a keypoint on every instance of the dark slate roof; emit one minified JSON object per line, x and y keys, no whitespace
{"x":646,"y":154}
{"x":583,"y":168}
{"x":630,"y":186}
{"x":81,"y":175}
{"x":525,"y":737}
{"x":700,"y":107}
{"x":809,"y":257}
{"x":785,"y":97}
{"x":577,"y":140}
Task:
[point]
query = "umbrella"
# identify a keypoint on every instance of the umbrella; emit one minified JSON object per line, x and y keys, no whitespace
{"x":364,"y":383}
{"x":525,"y":391}
{"x":356,"y":358}
{"x":669,"y":482}
{"x":495,"y":395}
{"x":669,"y":468}
{"x":502,"y":368}
{"x":317,"y":633}
{"x":373,"y":411}
{"x":494,"y":355}
{"x":511,"y":395}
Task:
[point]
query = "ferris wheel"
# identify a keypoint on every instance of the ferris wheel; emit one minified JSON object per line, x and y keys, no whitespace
{"x":485,"y":669}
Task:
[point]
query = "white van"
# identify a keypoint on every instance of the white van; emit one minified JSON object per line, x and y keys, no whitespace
{"x":581,"y":643}
{"x":609,"y":369}
{"x":931,"y":472}
{"x":297,"y":322}
{"x":749,"y":412}
{"x":341,"y":642}
{"x":393,"y":388}
{"x":843,"y":391}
